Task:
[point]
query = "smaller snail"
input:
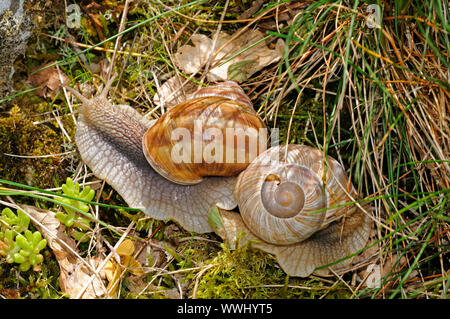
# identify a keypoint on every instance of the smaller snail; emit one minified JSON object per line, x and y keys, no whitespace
{"x":289,"y":211}
{"x":110,"y":138}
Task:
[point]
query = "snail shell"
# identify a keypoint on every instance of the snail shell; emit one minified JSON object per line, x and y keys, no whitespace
{"x":203,"y":136}
{"x":109,"y":140}
{"x":285,"y":201}
{"x":287,"y":208}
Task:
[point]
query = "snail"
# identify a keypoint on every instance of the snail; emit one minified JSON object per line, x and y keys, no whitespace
{"x":284,"y":204}
{"x":289,"y":211}
{"x":110,"y":140}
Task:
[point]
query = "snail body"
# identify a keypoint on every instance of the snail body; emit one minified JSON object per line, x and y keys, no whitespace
{"x":203,"y":136}
{"x":109,"y":139}
{"x":298,"y":210}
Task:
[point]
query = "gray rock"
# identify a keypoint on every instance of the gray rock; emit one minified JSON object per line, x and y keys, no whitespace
{"x":16,"y":27}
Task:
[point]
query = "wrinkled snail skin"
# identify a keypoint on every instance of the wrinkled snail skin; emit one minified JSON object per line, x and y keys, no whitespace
{"x":109,"y":140}
{"x":215,"y":111}
{"x":278,"y":202}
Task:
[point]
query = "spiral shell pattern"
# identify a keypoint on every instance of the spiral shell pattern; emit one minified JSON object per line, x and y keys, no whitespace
{"x":282,"y":197}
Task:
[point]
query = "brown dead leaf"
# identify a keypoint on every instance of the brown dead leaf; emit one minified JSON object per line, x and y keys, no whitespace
{"x":191,"y":59}
{"x":256,"y":5}
{"x":10,"y":293}
{"x":114,"y":271}
{"x":75,"y":274}
{"x":75,"y":271}
{"x":48,"y":80}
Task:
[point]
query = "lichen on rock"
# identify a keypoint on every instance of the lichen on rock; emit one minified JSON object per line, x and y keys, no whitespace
{"x":16,"y":27}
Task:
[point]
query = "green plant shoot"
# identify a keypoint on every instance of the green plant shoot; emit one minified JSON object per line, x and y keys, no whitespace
{"x":71,"y":218}
{"x":23,"y":249}
{"x":18,"y":223}
{"x":30,"y":246}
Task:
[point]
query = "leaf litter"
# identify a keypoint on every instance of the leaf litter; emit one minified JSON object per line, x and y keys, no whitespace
{"x":231,"y":57}
{"x":75,"y":270}
{"x":78,"y":277}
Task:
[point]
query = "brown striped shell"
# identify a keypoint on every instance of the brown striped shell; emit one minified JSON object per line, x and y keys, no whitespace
{"x":216,"y":133}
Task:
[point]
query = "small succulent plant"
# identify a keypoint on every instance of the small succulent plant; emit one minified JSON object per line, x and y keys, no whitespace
{"x":7,"y":245}
{"x":71,"y":218}
{"x":23,"y":249}
{"x":18,"y":223}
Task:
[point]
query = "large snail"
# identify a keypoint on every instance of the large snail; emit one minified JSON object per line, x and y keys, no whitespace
{"x":291,"y":207}
{"x":110,"y":139}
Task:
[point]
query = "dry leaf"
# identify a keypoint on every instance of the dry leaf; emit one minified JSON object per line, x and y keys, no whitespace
{"x":74,"y":271}
{"x":113,"y":270}
{"x":10,"y":293}
{"x":191,"y":59}
{"x":125,"y":251}
{"x":75,"y":274}
{"x":256,"y":5}
{"x":48,"y":80}
{"x":126,"y":248}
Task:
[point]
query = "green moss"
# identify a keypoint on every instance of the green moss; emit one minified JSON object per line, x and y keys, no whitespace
{"x":30,"y":284}
{"x":242,"y":273}
{"x":307,"y":115}
{"x":20,"y":136}
{"x":248,"y":273}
